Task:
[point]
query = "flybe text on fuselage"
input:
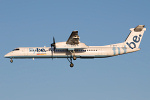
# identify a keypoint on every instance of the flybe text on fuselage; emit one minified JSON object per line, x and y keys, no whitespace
{"x":37,"y":50}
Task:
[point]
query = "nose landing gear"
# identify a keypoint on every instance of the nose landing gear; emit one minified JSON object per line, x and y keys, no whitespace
{"x":11,"y":60}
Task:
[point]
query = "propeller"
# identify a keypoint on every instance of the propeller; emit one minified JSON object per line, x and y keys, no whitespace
{"x":54,"y":46}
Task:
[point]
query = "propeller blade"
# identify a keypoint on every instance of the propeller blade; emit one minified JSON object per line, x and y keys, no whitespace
{"x":53,"y":40}
{"x":54,"y":47}
{"x":52,"y":54}
{"x":53,"y":44}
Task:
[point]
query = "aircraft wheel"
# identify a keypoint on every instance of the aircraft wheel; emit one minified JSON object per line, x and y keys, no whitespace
{"x":71,"y":65}
{"x":11,"y":60}
{"x":74,"y":57}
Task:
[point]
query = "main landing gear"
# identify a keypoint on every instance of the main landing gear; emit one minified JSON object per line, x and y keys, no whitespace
{"x":72,"y":57}
{"x":71,"y":65}
{"x":70,"y":60}
{"x":11,"y":60}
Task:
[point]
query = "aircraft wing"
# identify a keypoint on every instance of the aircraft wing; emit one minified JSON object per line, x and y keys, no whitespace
{"x":74,"y":38}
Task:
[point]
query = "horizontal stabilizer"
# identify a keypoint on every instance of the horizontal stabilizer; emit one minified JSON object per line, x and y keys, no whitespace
{"x":139,"y":28}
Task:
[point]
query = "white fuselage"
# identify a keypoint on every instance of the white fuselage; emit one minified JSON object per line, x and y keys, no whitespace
{"x":48,"y":52}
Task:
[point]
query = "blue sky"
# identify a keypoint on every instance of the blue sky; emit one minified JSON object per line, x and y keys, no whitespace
{"x":32,"y":23}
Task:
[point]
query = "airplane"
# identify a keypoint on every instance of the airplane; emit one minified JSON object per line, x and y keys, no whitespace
{"x":73,"y":48}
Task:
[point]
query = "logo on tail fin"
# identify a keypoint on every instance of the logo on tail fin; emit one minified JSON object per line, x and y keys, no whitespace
{"x":136,"y":39}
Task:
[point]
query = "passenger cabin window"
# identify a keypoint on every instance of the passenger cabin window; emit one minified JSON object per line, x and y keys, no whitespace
{"x":16,"y":49}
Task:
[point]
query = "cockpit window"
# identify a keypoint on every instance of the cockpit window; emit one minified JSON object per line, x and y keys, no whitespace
{"x":16,"y":49}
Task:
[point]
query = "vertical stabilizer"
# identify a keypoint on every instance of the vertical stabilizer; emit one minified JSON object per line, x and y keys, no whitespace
{"x":134,"y":38}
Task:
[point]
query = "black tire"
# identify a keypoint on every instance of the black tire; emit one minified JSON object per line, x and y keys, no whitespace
{"x":74,"y":57}
{"x":71,"y":65}
{"x":11,"y":60}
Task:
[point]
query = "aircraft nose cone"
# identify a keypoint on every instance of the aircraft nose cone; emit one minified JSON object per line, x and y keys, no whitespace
{"x":7,"y":55}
